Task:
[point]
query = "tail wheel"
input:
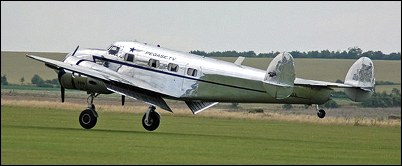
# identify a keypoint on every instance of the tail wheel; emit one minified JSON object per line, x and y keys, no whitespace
{"x":153,"y":121}
{"x":321,"y":113}
{"x":87,"y":119}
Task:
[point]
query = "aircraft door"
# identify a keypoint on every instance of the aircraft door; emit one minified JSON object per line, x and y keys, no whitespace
{"x":190,"y":83}
{"x":174,"y":78}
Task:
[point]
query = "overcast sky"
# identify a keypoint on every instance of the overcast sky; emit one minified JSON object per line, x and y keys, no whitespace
{"x":207,"y":26}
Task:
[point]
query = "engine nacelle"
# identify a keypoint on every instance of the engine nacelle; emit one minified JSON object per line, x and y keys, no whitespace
{"x":76,"y":81}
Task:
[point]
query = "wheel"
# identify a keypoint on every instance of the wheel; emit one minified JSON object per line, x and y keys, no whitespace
{"x":87,"y":119}
{"x":321,"y":113}
{"x":153,"y":122}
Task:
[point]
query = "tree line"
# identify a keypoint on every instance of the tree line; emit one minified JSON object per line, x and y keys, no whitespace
{"x":351,"y":53}
{"x":36,"y":80}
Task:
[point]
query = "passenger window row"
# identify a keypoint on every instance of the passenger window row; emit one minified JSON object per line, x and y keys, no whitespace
{"x":155,"y":64}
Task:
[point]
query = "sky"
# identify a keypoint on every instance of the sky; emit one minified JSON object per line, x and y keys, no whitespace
{"x":208,"y":26}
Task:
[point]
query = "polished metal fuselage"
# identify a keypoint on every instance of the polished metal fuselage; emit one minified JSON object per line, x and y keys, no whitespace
{"x":214,"y":80}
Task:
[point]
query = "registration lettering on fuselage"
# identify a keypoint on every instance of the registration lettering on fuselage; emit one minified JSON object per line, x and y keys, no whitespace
{"x":160,"y":56}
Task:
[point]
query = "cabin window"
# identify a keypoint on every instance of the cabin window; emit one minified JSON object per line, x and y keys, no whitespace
{"x":173,"y":67}
{"x":114,"y":50}
{"x":98,"y":61}
{"x":129,"y":57}
{"x":192,"y":72}
{"x":153,"y":63}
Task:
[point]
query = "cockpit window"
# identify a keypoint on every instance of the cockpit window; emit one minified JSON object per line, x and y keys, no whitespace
{"x":114,"y":50}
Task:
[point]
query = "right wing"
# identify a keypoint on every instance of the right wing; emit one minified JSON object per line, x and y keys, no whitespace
{"x":114,"y":81}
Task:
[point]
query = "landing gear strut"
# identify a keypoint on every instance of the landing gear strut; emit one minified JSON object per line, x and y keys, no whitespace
{"x":320,"y":112}
{"x":88,"y":117}
{"x":151,"y":119}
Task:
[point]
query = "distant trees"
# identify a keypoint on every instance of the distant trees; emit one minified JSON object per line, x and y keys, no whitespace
{"x":22,"y":80}
{"x":225,"y":53}
{"x":384,"y":100}
{"x":351,"y":53}
{"x":4,"y":80}
{"x":38,"y":81}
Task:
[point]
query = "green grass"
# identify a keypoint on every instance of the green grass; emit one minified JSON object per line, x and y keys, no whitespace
{"x":51,"y":136}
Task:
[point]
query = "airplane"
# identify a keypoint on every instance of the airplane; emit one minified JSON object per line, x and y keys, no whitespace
{"x":152,"y":73}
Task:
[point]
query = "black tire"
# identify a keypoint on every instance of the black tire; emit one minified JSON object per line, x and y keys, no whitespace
{"x":321,"y":113}
{"x":87,"y":119}
{"x":153,"y":122}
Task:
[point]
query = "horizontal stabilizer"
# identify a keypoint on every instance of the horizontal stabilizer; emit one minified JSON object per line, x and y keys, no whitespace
{"x":280,"y":76}
{"x":239,"y":60}
{"x":198,"y":106}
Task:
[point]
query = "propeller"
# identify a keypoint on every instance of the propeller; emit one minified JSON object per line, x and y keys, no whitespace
{"x":60,"y":74}
{"x":71,"y":54}
{"x":122,"y":99}
{"x":75,"y":50}
{"x":62,"y":89}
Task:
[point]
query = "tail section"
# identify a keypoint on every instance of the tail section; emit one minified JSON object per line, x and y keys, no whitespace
{"x":280,"y":76}
{"x":361,"y":76}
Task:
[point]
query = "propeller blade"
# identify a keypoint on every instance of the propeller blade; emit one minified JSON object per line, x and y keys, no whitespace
{"x":71,"y":54}
{"x":75,"y":50}
{"x":62,"y":93}
{"x":62,"y":89}
{"x":122,"y":99}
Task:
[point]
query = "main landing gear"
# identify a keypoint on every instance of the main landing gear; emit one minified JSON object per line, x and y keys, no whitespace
{"x":88,"y":117}
{"x":320,"y":112}
{"x":151,"y":119}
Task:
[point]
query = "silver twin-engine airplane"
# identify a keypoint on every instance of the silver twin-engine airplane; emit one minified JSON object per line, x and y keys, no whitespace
{"x":152,"y":73}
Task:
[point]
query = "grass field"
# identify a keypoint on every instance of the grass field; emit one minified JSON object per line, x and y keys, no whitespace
{"x":317,"y":69}
{"x":48,"y":135}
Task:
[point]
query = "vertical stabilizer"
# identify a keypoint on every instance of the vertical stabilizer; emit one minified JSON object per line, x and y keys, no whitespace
{"x":280,"y":76}
{"x":361,"y":76}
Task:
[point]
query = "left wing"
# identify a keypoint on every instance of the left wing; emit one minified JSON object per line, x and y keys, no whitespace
{"x":114,"y":81}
